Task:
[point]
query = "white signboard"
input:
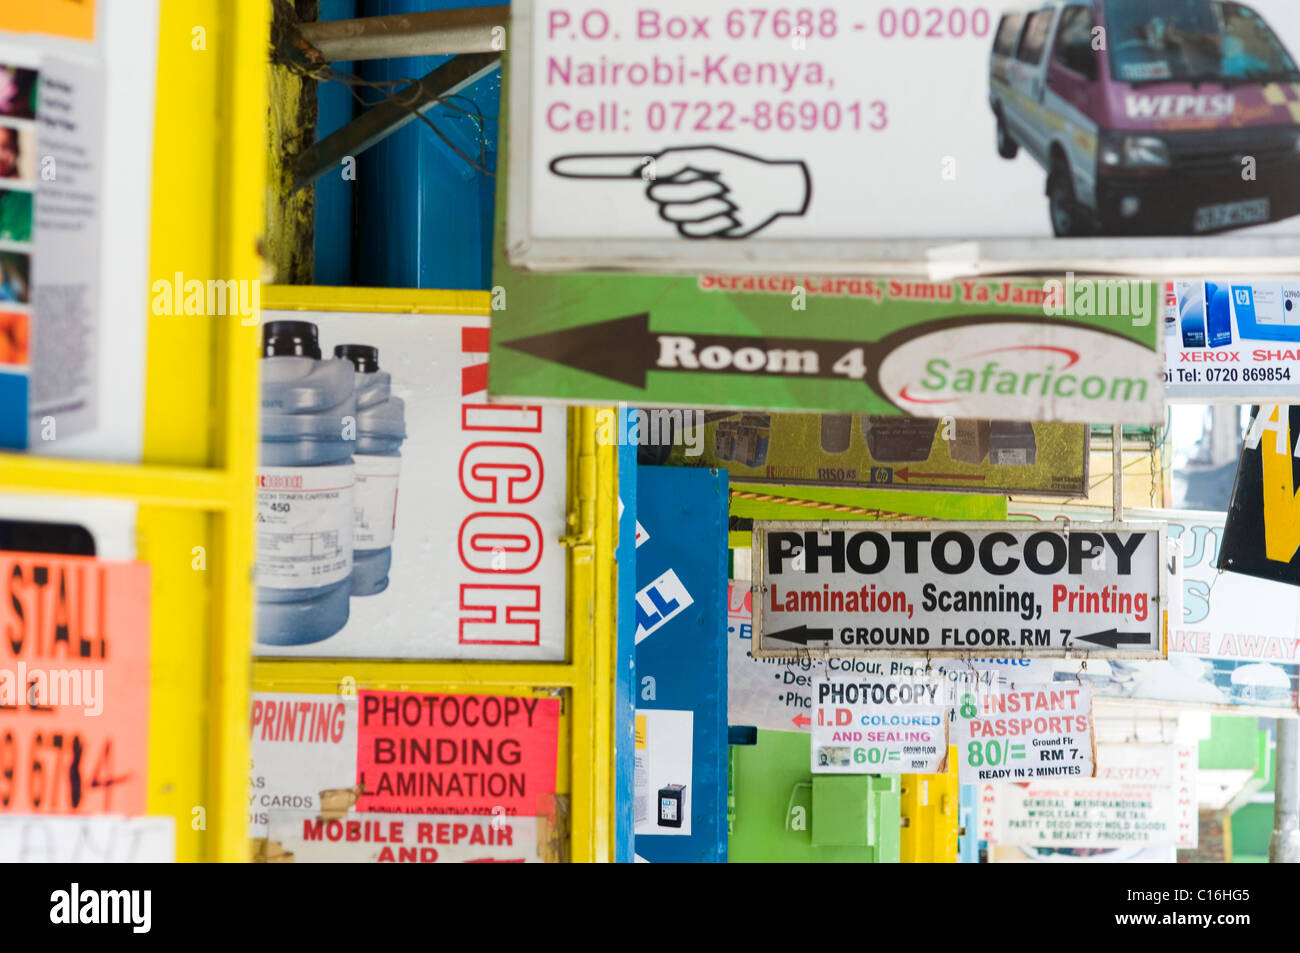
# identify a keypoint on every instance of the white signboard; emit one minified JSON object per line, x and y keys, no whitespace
{"x":77,"y":120}
{"x":775,"y":694}
{"x":1234,"y":640}
{"x":100,"y":839}
{"x":854,"y":136}
{"x":1189,"y":821}
{"x":378,"y":838}
{"x":304,"y":751}
{"x":844,"y":589}
{"x":468,"y":516}
{"x":1082,"y":814}
{"x":1232,"y":341}
{"x":1137,"y":764}
{"x":1034,"y":732}
{"x":879,"y":726}
{"x":1152,"y":788}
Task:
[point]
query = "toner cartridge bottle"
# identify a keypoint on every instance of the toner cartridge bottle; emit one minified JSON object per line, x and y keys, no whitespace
{"x":305,"y":488}
{"x":381,"y":428}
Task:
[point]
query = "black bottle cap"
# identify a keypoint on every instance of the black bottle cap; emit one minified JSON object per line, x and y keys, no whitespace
{"x":363,"y":357}
{"x":290,"y":339}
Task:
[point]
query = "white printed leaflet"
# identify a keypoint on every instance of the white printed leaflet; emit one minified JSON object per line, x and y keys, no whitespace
{"x":879,"y":726}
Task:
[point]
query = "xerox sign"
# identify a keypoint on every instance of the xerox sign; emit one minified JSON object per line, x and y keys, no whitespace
{"x":1023,"y":370}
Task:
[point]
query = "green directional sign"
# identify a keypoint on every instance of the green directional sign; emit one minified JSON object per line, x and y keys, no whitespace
{"x":930,"y":350}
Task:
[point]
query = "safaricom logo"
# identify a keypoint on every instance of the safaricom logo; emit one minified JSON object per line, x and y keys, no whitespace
{"x":992,"y":377}
{"x":1056,"y":371}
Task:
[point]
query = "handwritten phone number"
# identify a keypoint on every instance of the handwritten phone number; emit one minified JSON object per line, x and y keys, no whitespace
{"x":781,"y":116}
{"x":53,"y":773}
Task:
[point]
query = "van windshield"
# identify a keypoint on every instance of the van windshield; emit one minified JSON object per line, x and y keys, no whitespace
{"x":1192,"y":40}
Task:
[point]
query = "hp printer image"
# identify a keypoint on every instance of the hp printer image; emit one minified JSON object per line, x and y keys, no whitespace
{"x":1012,"y":444}
{"x":899,"y":439}
{"x":671,"y":799}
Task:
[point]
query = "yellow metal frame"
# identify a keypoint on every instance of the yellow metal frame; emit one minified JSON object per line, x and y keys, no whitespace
{"x":195,"y":489}
{"x":930,"y":805}
{"x":586,"y":770}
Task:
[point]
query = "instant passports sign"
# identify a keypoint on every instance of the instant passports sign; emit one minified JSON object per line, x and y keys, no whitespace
{"x":1027,"y":733}
{"x":966,"y":588}
{"x":879,"y":726}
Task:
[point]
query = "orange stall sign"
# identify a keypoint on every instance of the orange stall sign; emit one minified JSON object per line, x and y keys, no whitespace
{"x":74,"y":684}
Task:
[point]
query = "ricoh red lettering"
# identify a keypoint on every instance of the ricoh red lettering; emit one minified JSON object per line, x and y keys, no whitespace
{"x":501,"y":472}
{"x":498,"y":476}
{"x":500,"y":615}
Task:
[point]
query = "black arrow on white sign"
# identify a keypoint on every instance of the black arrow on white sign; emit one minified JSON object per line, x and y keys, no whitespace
{"x":1113,"y":638}
{"x":802,"y":635}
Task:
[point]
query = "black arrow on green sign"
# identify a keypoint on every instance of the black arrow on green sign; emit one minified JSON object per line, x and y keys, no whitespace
{"x":802,"y":635}
{"x":1114,"y":639}
{"x":626,"y":350}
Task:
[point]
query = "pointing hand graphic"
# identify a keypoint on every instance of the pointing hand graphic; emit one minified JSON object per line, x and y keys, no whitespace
{"x":705,"y":191}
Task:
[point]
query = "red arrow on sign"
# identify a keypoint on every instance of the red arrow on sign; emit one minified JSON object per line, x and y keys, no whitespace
{"x":904,"y":474}
{"x":802,"y":721}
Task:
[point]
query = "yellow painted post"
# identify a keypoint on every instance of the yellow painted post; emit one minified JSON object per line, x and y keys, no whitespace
{"x":930,"y":807}
{"x":195,"y":487}
{"x":207,"y":219}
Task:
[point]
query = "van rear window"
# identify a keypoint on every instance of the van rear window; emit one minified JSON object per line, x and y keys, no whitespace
{"x":1004,"y":44}
{"x":1035,"y":38}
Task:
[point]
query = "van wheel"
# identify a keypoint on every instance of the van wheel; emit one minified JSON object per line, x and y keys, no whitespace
{"x":1068,"y":220}
{"x":1007,"y":147}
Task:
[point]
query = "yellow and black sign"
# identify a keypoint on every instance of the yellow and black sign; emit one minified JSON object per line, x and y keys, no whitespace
{"x":897,"y":453}
{"x":1262,"y":534}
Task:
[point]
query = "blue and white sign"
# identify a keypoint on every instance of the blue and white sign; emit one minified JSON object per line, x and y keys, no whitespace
{"x":679,"y":787}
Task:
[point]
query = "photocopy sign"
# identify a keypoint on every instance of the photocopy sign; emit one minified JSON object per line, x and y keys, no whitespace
{"x":856,"y":136}
{"x":879,"y":726}
{"x":967,"y":588}
{"x":1035,"y":731}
